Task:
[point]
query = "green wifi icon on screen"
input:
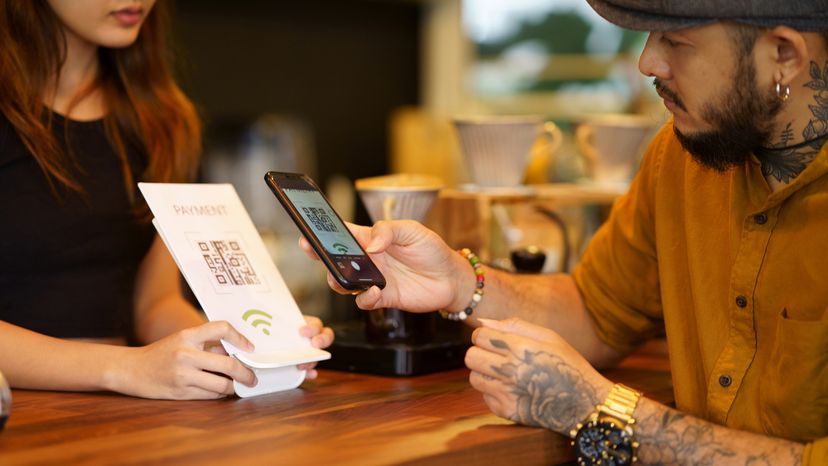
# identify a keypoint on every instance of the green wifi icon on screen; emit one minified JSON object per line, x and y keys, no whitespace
{"x":258,"y":319}
{"x":340,"y":247}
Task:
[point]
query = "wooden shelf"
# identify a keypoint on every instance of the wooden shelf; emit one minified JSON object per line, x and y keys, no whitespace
{"x":466,"y":216}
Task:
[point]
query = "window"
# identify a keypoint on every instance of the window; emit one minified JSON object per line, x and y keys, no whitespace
{"x":550,"y":57}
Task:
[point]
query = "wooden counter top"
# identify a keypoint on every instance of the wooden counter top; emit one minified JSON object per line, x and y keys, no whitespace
{"x":341,"y":418}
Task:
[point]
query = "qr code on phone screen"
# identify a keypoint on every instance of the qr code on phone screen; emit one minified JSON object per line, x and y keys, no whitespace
{"x":320,"y":219}
{"x":228,"y":263}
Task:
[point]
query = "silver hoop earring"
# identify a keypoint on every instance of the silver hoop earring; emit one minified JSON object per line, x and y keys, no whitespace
{"x":783,"y":92}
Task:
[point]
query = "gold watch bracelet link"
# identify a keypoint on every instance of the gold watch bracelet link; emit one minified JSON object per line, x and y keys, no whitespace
{"x":621,"y":403}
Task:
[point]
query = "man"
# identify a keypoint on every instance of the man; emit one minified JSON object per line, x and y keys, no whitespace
{"x":720,"y":242}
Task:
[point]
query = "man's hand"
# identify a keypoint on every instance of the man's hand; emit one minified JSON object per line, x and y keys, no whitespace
{"x":530,"y":375}
{"x":422,"y":273}
{"x":184,"y":365}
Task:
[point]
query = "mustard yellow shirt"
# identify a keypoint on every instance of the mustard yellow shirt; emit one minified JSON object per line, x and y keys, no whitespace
{"x":737,"y":277}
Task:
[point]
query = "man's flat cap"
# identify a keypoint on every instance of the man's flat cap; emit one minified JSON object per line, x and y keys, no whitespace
{"x":666,"y":15}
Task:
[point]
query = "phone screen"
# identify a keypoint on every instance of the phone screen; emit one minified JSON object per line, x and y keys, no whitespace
{"x":324,"y":222}
{"x":325,"y":231}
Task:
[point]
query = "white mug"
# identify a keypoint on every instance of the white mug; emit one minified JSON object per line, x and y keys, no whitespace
{"x":612,"y":145}
{"x":497,"y":149}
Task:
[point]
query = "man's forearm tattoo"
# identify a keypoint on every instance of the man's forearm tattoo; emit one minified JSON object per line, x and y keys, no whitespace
{"x":669,"y":441}
{"x":676,"y":438}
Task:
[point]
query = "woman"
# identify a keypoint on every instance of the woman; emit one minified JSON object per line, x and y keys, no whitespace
{"x":87,"y":108}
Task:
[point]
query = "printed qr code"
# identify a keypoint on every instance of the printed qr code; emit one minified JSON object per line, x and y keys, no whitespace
{"x":320,"y":219}
{"x":228,"y":263}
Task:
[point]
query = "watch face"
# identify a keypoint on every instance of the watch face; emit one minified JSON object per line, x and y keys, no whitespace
{"x":603,"y":442}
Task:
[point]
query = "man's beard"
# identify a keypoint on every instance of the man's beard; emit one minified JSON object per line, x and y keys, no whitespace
{"x":742,"y":123}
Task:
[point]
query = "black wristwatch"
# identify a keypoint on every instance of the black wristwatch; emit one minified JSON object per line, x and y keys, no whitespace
{"x":607,"y":436}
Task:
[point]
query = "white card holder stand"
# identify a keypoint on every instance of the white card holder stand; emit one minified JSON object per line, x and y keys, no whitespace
{"x":281,"y":348}
{"x":276,"y":371}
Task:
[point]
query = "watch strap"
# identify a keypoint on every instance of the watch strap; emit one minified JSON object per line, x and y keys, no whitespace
{"x":620,"y":403}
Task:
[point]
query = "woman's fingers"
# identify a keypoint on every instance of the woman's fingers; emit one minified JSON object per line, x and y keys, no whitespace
{"x":197,"y":393}
{"x":214,"y":331}
{"x":324,"y":339}
{"x":226,"y":365}
{"x":312,"y":322}
{"x":320,"y":336}
{"x":213,"y":383}
{"x":201,"y":336}
{"x":216,"y":349}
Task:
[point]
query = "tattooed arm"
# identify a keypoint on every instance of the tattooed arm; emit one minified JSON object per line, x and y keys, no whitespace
{"x":532,"y":376}
{"x":668,"y":436}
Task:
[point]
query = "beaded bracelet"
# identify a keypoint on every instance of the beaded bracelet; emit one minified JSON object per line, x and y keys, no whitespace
{"x":478,"y":289}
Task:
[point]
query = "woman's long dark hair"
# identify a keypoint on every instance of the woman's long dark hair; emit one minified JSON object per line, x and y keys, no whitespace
{"x":144,"y":105}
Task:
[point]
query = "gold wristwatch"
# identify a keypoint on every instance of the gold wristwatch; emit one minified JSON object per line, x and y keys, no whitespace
{"x":607,"y":436}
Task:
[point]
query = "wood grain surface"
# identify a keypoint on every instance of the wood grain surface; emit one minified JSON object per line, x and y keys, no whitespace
{"x":340,"y":419}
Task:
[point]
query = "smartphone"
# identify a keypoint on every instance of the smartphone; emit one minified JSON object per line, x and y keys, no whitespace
{"x":325,"y":231}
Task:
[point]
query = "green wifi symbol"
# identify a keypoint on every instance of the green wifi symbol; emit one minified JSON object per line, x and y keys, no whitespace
{"x":256,"y":322}
{"x":340,"y":247}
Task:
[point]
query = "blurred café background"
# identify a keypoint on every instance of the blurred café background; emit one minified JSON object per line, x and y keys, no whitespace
{"x":348,"y":89}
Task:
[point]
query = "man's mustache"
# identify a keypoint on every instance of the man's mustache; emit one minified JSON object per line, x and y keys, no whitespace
{"x":667,"y":93}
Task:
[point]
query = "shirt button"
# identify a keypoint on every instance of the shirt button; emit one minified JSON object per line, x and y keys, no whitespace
{"x":741,"y":301}
{"x":761,"y":219}
{"x":725,"y":381}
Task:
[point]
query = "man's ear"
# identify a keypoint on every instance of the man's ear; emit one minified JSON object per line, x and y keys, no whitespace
{"x":789,"y":51}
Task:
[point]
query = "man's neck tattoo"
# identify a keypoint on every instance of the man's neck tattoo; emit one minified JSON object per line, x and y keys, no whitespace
{"x":784,"y":161}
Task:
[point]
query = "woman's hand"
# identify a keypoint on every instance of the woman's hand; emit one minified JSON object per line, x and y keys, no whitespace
{"x":421,"y":272}
{"x":530,"y":375}
{"x":320,"y":337}
{"x":184,"y":365}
